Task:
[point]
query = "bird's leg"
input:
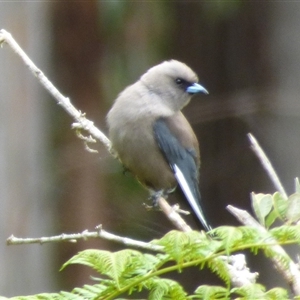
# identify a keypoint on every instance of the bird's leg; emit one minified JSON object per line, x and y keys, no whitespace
{"x":125,"y":171}
{"x":154,"y":197}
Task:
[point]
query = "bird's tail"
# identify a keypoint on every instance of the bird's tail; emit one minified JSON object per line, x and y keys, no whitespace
{"x":193,"y":200}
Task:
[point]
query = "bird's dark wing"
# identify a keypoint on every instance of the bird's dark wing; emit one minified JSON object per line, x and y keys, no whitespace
{"x":183,"y":162}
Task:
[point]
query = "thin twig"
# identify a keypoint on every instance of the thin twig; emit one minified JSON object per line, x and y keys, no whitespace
{"x":78,"y":116}
{"x":74,"y":237}
{"x":266,"y":164}
{"x":289,"y":271}
{"x":173,"y":216}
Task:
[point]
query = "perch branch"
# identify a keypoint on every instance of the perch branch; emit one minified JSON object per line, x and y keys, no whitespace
{"x":172,"y":215}
{"x":74,"y":237}
{"x":266,"y":164}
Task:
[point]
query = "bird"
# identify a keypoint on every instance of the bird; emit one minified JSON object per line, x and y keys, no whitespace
{"x":153,"y":139}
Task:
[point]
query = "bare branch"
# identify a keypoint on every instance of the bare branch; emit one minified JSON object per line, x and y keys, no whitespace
{"x":172,"y":215}
{"x":74,"y":237}
{"x":65,"y":102}
{"x":266,"y":164}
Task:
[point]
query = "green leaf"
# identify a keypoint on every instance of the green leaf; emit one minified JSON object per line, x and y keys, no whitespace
{"x":105,"y":262}
{"x":219,"y":266}
{"x":208,"y":292}
{"x":293,"y":209}
{"x":184,"y":246}
{"x":250,"y":291}
{"x":286,"y":233}
{"x":271,"y":218}
{"x":262,"y":205}
{"x":297,"y":185}
{"x":279,"y":205}
{"x":161,"y":288}
{"x":277,"y":294}
{"x":231,"y":237}
{"x":257,"y":291}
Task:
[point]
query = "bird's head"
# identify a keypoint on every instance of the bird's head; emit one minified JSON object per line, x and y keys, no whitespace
{"x":174,"y":82}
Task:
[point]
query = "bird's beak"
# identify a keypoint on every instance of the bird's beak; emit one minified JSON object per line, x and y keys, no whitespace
{"x":196,"y":88}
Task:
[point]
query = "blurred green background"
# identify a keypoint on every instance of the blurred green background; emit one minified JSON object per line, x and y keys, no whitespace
{"x":246,"y":53}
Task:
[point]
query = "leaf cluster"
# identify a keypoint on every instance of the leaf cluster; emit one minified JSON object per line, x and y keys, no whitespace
{"x":128,"y":272}
{"x":269,"y":208}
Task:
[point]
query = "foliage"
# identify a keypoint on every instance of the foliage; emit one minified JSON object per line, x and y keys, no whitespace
{"x":269,"y":208}
{"x":129,"y":272}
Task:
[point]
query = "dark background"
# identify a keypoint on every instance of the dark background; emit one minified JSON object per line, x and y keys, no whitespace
{"x":246,"y":53}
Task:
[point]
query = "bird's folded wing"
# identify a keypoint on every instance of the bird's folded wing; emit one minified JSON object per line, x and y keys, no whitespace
{"x":183,"y":163}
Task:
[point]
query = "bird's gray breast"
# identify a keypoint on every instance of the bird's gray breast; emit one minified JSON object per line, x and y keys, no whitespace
{"x":134,"y":142}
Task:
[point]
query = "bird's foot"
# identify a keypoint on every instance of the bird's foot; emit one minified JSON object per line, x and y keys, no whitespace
{"x":154,"y":197}
{"x":126,"y":171}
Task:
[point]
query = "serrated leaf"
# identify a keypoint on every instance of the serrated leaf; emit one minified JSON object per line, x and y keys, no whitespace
{"x":286,"y":233}
{"x":220,"y":267}
{"x":250,"y":291}
{"x":231,"y":236}
{"x":293,"y":208}
{"x":161,"y":288}
{"x":105,"y":262}
{"x":277,"y":294}
{"x":281,"y":257}
{"x":174,"y":243}
{"x":262,"y":205}
{"x":182,"y":245}
{"x":208,"y":292}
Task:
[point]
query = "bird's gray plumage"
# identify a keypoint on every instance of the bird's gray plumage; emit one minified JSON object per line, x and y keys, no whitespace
{"x":151,"y":136}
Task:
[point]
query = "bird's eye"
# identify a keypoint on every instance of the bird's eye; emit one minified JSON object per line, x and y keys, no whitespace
{"x":179,"y":81}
